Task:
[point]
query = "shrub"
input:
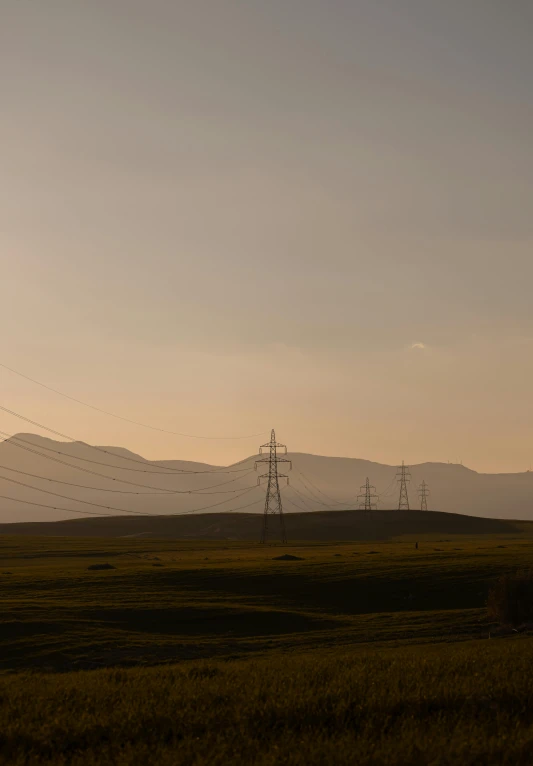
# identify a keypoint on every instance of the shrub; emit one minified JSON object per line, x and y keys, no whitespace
{"x":511,"y":598}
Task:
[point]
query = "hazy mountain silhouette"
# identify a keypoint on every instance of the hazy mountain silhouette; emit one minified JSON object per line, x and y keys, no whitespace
{"x":317,"y":483}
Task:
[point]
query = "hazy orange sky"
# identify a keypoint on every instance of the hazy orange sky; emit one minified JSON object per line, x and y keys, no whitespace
{"x":222,"y":216}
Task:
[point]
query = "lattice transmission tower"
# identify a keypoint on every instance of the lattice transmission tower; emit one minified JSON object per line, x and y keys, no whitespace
{"x":403,"y":477}
{"x":423,"y":492}
{"x":273,"y":505}
{"x":366,"y":499}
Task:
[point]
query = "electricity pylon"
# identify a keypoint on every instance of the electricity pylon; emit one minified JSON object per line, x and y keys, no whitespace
{"x":273,"y":504}
{"x":367,"y":497}
{"x":404,"y":477}
{"x":423,"y":493}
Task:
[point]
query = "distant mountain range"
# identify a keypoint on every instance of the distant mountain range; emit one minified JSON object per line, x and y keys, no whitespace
{"x":61,"y":480}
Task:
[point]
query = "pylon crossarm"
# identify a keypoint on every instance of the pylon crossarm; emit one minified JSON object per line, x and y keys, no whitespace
{"x":270,"y":445}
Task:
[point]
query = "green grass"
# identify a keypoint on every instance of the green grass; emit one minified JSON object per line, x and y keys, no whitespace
{"x":215,"y":653}
{"x":211,"y":600}
{"x":468,"y":703}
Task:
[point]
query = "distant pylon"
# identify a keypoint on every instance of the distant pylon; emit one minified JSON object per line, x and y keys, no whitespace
{"x":367,"y":497}
{"x":404,"y":477}
{"x":273,"y":504}
{"x":423,"y":493}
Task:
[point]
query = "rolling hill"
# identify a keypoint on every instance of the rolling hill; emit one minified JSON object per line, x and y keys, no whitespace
{"x":318,"y":526}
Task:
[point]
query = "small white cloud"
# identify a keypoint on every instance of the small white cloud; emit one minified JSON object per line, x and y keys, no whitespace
{"x":418,"y":345}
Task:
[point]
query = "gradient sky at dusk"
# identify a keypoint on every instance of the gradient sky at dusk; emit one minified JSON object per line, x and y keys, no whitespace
{"x":222,"y":216}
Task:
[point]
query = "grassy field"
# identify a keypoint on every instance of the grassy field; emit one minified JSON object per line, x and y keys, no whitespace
{"x":218,"y":653}
{"x":168,"y":601}
{"x":466,"y":703}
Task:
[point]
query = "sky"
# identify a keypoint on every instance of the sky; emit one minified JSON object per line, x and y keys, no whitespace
{"x":223,"y":216}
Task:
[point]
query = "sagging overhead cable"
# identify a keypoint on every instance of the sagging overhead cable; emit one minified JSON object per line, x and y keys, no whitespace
{"x":128,"y":420}
{"x":114,"y":454}
{"x":13,"y":442}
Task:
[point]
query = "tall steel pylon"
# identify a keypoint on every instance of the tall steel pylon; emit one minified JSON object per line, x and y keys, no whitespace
{"x":404,"y":477}
{"x":423,"y":492}
{"x":273,"y":505}
{"x":366,"y":498}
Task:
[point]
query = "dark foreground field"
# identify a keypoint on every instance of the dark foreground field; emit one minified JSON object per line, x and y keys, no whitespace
{"x":211,"y":653}
{"x":468,"y":703}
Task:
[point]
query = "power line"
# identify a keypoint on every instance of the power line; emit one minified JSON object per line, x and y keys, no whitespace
{"x":129,"y":513}
{"x":55,"y":508}
{"x":389,"y":490}
{"x":200,"y":491}
{"x":387,"y":493}
{"x":242,"y":507}
{"x":304,"y":499}
{"x":273,"y":504}
{"x":128,"y":420}
{"x":12,"y":443}
{"x":113,"y":454}
{"x":208,"y":507}
{"x":64,"y":497}
{"x":332,"y":501}
{"x":204,"y":490}
{"x":302,"y":496}
{"x":30,"y":447}
{"x":311,"y":496}
{"x":85,"y":502}
{"x":296,"y":505}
